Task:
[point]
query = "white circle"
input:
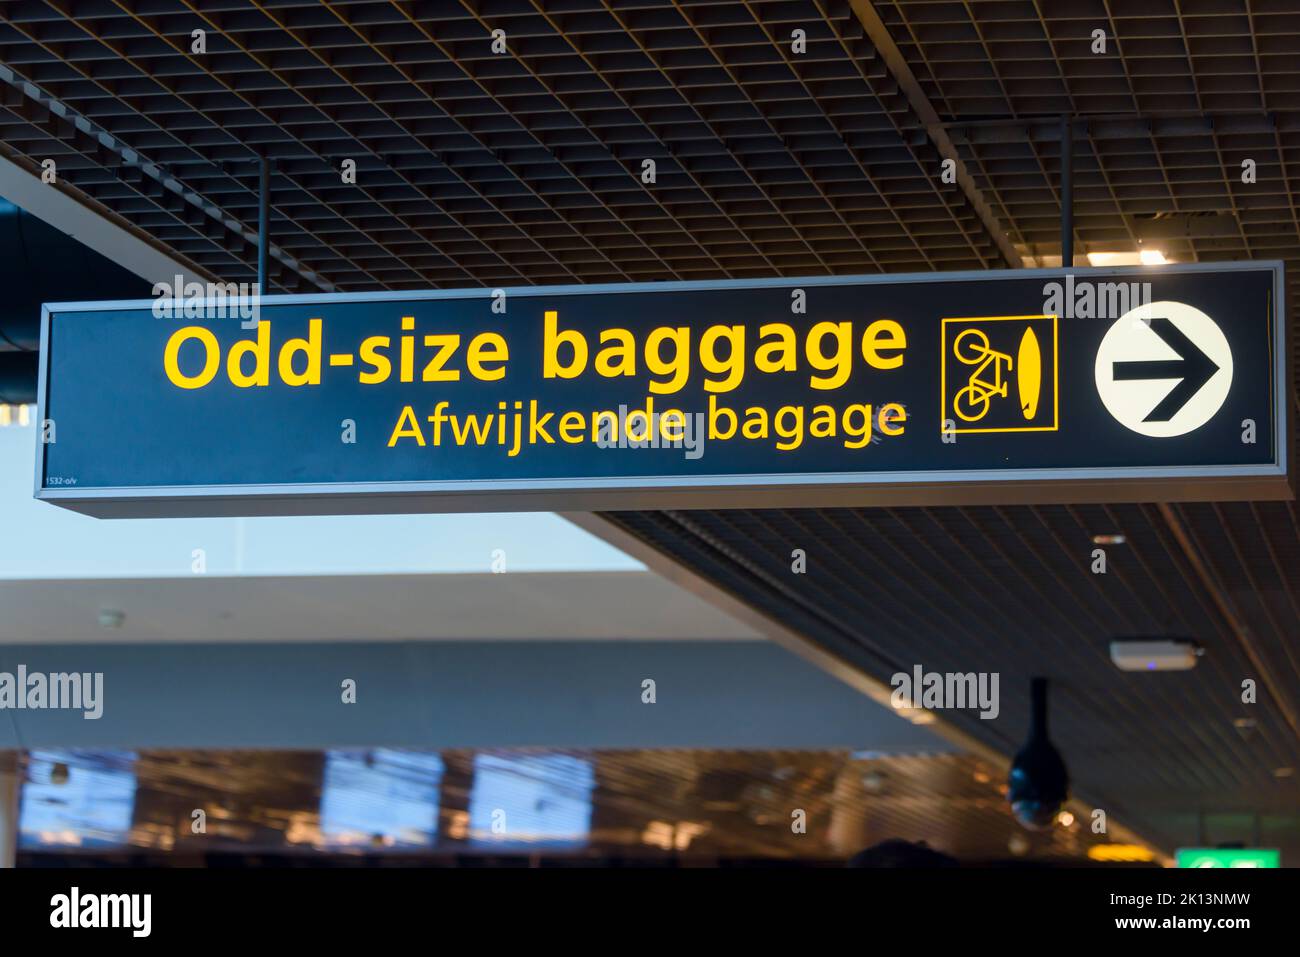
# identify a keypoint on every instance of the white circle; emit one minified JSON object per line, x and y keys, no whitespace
{"x":1132,"y":339}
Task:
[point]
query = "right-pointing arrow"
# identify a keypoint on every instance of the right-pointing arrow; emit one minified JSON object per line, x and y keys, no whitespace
{"x":1192,"y":367}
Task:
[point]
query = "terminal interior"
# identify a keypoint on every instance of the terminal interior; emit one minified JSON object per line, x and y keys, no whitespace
{"x":500,"y":662}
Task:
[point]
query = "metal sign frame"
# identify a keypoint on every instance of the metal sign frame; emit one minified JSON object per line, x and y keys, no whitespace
{"x":838,"y":489}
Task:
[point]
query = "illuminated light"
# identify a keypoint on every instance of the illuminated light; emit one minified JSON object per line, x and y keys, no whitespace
{"x":1120,"y":853}
{"x":658,"y":834}
{"x":668,"y":836}
{"x":1065,"y":819}
{"x":1114,"y":259}
{"x":1139,"y":257}
{"x":20,"y":415}
{"x":303,"y":828}
{"x":913,"y":714}
{"x":1112,"y":539}
{"x":982,"y":777}
{"x":687,"y":831}
{"x":1283,"y":772}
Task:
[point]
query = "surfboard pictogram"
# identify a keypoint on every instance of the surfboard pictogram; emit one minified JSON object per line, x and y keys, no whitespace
{"x":1029,"y":374}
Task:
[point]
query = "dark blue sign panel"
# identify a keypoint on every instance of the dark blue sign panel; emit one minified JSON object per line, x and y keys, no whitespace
{"x":1118,"y":384}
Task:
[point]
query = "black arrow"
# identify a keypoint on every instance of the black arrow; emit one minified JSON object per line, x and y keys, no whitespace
{"x":1192,"y":367}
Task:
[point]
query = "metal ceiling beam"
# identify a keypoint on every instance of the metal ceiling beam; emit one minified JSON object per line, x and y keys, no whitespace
{"x":896,"y":63}
{"x":434,"y":693}
{"x":148,"y":178}
{"x":1226,"y":608}
{"x":93,"y":224}
{"x":1127,"y":127}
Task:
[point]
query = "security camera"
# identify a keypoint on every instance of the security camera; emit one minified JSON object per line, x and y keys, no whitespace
{"x":1038,"y":784}
{"x":1159,"y":654}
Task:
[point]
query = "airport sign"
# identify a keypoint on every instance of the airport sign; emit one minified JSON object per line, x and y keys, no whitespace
{"x":1123,"y":384}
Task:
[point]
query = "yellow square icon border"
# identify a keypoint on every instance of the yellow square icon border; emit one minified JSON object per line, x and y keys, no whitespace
{"x":943,"y":375}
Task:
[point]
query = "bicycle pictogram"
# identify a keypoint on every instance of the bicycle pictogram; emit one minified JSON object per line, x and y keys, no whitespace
{"x":998,"y":374}
{"x":972,"y":403}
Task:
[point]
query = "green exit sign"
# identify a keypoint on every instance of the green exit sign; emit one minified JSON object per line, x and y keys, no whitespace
{"x":1218,"y":857}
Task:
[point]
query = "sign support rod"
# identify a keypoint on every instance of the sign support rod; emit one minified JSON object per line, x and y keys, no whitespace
{"x":1067,"y":192}
{"x":263,"y":223}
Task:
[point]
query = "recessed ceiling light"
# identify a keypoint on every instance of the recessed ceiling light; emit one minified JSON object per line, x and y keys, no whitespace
{"x":1138,"y":257}
{"x":1111,"y":539}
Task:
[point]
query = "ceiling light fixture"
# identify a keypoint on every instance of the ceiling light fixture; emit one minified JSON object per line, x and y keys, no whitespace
{"x":1138,"y":257}
{"x":111,"y":618}
{"x":1155,"y":654}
